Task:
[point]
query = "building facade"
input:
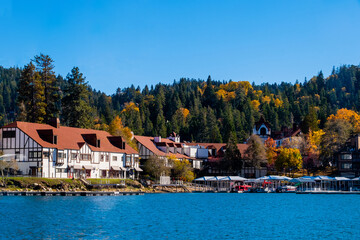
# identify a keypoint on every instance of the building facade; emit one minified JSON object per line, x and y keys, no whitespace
{"x":54,"y":151}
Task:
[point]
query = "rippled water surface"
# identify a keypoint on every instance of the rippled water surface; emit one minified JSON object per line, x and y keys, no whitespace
{"x":181,"y":216}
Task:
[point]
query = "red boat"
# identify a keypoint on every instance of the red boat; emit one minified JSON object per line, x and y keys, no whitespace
{"x":242,"y":188}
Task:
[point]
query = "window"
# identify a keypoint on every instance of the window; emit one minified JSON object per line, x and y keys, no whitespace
{"x":61,"y":155}
{"x":8,"y":134}
{"x":102,"y":158}
{"x":85,"y":157}
{"x":346,"y":156}
{"x":46,"y":154}
{"x":107,"y":158}
{"x":61,"y":170}
{"x":73,"y":156}
{"x":34,"y":154}
{"x":346,"y":165}
{"x":114,"y":158}
{"x":128,"y":161}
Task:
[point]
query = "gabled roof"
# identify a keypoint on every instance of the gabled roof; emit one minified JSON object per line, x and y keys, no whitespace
{"x":148,"y":142}
{"x":261,"y":122}
{"x":70,"y":137}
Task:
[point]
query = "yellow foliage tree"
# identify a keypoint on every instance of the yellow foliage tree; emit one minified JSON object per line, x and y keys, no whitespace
{"x":246,"y":86}
{"x":185,"y":112}
{"x":129,"y":107}
{"x":348,"y":115}
{"x":255,"y":104}
{"x":227,"y":96}
{"x":288,"y":159}
{"x":266,"y":99}
{"x":183,"y":170}
{"x":117,"y":128}
{"x":278,"y":102}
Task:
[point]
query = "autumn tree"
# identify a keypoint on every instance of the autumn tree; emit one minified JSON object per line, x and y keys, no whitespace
{"x":348,"y":115}
{"x":132,"y":118}
{"x":271,"y":151}
{"x":288,"y":159}
{"x":183,"y":170}
{"x":117,"y":128}
{"x":76,"y":110}
{"x":313,"y":149}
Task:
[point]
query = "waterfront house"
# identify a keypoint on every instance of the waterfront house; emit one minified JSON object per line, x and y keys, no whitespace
{"x":347,"y":160}
{"x":54,"y":151}
{"x":165,"y":148}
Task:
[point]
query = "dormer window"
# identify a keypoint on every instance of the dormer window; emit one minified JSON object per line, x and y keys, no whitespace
{"x":55,"y":139}
{"x":98,"y":143}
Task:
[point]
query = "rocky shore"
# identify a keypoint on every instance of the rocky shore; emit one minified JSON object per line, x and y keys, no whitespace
{"x":33,"y":184}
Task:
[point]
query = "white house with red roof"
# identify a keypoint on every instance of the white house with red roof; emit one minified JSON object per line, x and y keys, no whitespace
{"x":54,"y":151}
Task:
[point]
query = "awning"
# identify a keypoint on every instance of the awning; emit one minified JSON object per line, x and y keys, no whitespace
{"x":116,"y":168}
{"x":302,"y":180}
{"x":138,"y":169}
{"x":87,"y":167}
{"x":122,"y":169}
{"x":77,"y":167}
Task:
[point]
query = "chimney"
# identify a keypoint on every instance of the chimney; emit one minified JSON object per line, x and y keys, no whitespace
{"x":55,"y":122}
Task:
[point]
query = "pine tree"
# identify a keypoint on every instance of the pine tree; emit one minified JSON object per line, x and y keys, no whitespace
{"x":232,"y":162}
{"x":213,"y":134}
{"x":45,"y":66}
{"x":76,"y":110}
{"x":31,"y":95}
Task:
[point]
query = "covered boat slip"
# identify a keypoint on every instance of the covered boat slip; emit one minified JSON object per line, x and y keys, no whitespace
{"x":272,"y":183}
{"x":220,"y":183}
{"x":269,"y":183}
{"x":326,"y":183}
{"x":227,"y":183}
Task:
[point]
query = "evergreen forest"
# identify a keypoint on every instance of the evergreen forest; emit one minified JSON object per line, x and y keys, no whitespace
{"x":202,"y":110}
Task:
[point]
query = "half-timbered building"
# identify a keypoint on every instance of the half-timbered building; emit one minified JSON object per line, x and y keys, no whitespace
{"x":54,"y":151}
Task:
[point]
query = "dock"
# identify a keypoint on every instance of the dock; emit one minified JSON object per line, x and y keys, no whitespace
{"x":83,"y":193}
{"x":329,"y":192}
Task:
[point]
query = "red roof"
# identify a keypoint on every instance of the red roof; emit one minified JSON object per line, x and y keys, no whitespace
{"x":70,"y":138}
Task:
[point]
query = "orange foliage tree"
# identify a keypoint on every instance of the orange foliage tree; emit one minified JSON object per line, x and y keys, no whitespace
{"x":117,"y":128}
{"x":271,"y":151}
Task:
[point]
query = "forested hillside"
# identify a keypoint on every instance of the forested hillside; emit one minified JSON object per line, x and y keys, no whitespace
{"x":199,"y":110}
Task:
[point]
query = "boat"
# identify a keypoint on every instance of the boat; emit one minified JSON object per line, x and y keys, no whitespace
{"x":286,"y":189}
{"x":242,"y":188}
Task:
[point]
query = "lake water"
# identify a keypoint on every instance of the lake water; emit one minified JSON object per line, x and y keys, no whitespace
{"x":181,"y":216}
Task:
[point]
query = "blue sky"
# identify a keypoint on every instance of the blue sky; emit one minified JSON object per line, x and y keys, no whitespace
{"x":119,"y":43}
